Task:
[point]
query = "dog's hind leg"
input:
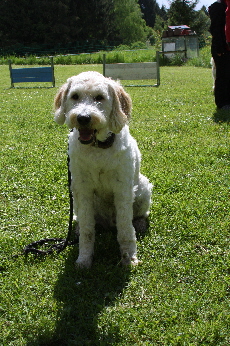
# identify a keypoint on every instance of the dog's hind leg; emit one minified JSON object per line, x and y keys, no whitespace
{"x":141,"y":205}
{"x":142,"y":200}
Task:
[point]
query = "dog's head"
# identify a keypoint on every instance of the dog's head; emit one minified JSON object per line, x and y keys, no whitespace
{"x":93,"y":104}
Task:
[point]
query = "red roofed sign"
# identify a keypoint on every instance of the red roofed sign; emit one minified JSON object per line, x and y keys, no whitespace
{"x":178,"y":30}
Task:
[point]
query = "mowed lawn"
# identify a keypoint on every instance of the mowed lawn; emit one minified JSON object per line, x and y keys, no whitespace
{"x":180,"y":293}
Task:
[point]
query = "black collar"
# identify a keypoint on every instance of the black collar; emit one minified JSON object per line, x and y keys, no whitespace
{"x":107,"y":143}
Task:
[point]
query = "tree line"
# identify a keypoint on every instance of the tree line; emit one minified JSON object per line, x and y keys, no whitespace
{"x":57,"y":22}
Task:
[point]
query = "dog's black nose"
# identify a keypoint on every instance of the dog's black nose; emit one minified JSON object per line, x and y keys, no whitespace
{"x":83,"y":119}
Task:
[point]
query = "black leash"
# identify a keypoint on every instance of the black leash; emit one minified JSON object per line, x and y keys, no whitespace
{"x":57,"y":244}
{"x":53,"y":244}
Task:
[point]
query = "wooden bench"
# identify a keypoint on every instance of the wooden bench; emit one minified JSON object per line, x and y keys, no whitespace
{"x":32,"y":74}
{"x":133,"y":71}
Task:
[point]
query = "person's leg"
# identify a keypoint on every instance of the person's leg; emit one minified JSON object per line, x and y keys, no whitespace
{"x":222,"y":83}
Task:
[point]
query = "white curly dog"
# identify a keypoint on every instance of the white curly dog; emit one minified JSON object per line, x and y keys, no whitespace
{"x":104,"y":162}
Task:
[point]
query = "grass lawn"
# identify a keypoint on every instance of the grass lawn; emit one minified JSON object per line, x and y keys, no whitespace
{"x":180,"y":293}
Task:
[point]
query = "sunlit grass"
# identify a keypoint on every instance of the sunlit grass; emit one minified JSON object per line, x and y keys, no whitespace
{"x":179,"y":295}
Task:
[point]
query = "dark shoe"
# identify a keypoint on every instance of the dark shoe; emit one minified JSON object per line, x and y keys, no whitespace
{"x":226,"y":107}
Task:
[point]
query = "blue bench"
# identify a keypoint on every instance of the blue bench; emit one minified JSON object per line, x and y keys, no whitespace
{"x":32,"y":74}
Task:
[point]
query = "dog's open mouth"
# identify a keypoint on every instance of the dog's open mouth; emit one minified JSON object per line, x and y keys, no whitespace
{"x":86,"y":136}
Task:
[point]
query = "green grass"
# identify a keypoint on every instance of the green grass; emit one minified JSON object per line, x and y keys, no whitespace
{"x":86,"y":58}
{"x":115,"y":56}
{"x":180,"y":293}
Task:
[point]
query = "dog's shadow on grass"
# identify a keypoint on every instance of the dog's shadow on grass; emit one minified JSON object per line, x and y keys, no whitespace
{"x":83,"y":294}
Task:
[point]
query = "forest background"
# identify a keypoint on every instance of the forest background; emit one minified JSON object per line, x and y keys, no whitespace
{"x":55,"y":25}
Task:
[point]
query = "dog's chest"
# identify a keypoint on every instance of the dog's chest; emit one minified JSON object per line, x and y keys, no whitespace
{"x":101,"y":172}
{"x":97,"y":168}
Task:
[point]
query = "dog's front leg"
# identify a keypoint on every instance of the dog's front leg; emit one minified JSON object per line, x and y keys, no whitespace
{"x":125,"y":231}
{"x":86,"y":222}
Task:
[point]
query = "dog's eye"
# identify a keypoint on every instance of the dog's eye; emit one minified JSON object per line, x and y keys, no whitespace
{"x":98,"y":98}
{"x":75,"y":96}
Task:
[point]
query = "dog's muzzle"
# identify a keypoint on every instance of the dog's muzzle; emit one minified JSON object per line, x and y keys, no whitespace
{"x":83,"y":120}
{"x":86,"y":134}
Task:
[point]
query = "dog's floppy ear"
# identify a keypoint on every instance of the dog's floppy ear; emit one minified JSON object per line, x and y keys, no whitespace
{"x":122,"y":106}
{"x":59,"y":103}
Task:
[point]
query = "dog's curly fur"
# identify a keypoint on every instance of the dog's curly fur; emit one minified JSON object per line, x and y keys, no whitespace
{"x":107,"y":184}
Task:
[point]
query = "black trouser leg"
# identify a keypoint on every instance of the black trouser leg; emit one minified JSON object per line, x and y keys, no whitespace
{"x":222,"y":83}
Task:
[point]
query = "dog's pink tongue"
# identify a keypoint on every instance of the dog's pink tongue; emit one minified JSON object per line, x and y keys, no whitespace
{"x":86,"y":135}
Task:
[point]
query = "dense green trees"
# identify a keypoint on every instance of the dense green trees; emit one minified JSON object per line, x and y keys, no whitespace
{"x":23,"y":21}
{"x":129,"y":23}
{"x":149,"y":9}
{"x":183,"y":12}
{"x":62,"y":21}
{"x":59,"y":22}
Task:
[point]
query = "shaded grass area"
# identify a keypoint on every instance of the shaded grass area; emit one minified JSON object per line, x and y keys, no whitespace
{"x":179,"y":294}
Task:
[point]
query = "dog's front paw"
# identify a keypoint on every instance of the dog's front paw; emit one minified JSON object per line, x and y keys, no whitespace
{"x":84,"y":262}
{"x":127,"y":260}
